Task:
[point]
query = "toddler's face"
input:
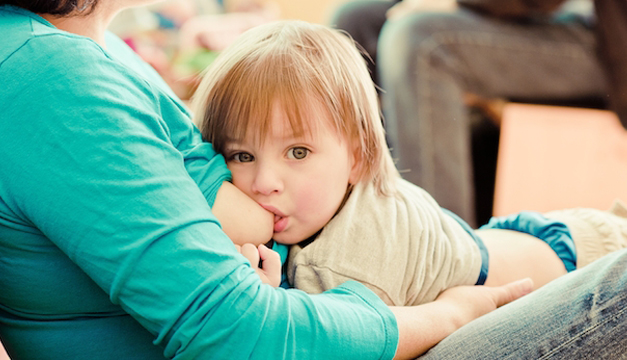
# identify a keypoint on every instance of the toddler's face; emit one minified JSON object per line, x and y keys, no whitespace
{"x":302,"y":180}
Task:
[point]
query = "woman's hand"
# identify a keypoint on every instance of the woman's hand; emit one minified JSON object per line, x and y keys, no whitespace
{"x":422,"y":327}
{"x":265,"y":261}
{"x":471,"y":302}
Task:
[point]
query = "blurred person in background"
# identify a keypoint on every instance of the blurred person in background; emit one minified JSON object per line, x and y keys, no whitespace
{"x":180,"y":38}
{"x":434,"y":59}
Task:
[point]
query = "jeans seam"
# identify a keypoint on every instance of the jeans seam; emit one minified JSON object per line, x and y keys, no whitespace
{"x":586,"y":331}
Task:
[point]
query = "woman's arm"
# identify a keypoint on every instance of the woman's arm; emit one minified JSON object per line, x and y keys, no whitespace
{"x":422,"y":327}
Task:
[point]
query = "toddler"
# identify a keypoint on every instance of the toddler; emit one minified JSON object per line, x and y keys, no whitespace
{"x":292,"y":108}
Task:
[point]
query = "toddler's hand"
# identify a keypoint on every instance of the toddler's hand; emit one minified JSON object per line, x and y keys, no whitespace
{"x":269,"y":268}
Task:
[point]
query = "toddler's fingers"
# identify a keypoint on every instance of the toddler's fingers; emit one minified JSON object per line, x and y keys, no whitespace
{"x":251,"y":253}
{"x":271,"y":264}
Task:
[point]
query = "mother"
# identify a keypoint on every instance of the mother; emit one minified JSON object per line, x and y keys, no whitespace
{"x":114,"y":218}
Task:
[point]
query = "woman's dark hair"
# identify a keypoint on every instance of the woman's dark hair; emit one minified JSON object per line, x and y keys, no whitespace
{"x":54,"y":7}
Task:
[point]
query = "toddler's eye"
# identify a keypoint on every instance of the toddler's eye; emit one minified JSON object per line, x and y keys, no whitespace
{"x":242,"y":157}
{"x":298,"y":153}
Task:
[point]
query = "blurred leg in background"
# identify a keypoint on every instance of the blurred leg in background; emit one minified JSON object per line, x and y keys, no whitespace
{"x":429,"y":62}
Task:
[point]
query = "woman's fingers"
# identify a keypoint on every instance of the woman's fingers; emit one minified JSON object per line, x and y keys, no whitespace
{"x":512,"y":291}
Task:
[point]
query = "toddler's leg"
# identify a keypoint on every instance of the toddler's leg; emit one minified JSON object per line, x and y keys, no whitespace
{"x":515,"y":255}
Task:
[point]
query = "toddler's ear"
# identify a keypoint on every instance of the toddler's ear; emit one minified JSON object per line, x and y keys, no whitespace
{"x":356,"y":166}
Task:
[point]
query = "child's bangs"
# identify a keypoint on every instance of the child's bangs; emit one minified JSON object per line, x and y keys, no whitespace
{"x":274,"y":83}
{"x":306,"y":91}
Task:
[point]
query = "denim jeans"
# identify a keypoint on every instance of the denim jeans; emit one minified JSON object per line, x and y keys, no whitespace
{"x":363,"y":20}
{"x":582,"y":315}
{"x":426,"y":63}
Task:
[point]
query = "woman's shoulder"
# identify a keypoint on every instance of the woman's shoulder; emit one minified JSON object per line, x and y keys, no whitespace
{"x":33,"y":49}
{"x":25,"y":33}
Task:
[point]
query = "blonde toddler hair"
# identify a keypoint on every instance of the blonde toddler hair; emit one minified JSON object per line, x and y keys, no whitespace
{"x":300,"y":65}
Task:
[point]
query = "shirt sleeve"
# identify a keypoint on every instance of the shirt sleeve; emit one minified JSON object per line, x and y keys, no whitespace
{"x":97,"y":166}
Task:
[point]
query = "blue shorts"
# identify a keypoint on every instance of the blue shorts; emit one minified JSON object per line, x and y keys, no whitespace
{"x":554,"y":233}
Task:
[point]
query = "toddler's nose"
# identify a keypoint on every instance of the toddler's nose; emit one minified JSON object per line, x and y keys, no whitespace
{"x":267,"y":180}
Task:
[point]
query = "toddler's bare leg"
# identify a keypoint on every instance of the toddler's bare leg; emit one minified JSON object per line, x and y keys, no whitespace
{"x":516,"y":255}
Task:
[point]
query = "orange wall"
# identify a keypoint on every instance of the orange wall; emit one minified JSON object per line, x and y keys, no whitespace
{"x":316,"y":11}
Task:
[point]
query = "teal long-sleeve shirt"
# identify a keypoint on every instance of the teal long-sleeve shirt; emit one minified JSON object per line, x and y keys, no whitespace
{"x":108,"y":247}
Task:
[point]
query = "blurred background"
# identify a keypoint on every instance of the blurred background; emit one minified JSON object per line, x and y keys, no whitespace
{"x":180,"y":38}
